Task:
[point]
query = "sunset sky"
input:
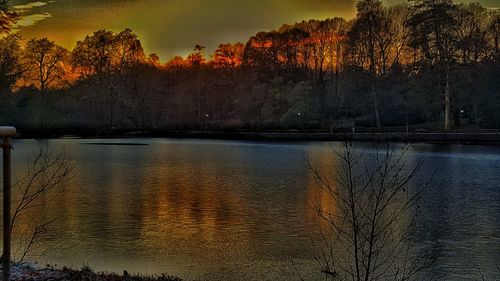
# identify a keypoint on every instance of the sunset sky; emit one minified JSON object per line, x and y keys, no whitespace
{"x":173,"y":27}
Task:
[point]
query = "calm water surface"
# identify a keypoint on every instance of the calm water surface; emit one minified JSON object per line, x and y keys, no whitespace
{"x":231,"y":210}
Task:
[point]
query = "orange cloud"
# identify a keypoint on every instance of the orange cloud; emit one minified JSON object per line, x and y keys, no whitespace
{"x":32,"y":19}
{"x":30,"y":6}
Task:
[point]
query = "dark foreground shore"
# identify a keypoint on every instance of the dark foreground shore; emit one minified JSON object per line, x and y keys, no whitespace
{"x":490,"y":138}
{"x":33,"y":272}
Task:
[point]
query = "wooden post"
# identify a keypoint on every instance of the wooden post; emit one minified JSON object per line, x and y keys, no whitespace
{"x":6,"y":133}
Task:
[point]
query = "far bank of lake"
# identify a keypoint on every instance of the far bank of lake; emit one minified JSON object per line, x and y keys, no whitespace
{"x":489,"y":137}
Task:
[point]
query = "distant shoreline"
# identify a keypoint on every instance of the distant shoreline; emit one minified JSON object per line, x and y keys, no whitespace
{"x":491,"y":138}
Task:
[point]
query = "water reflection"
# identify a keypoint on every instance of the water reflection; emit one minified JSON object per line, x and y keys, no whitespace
{"x":241,"y":210}
{"x":462,"y":210}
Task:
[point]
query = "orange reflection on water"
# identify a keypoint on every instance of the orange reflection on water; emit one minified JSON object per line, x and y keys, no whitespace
{"x":321,"y":186}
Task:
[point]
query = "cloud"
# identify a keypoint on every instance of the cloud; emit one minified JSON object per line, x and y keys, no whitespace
{"x":26,"y":17}
{"x":30,"y":6}
{"x":32,"y":19}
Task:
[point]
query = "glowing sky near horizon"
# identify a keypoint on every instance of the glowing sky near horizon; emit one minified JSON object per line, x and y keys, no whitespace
{"x":173,"y":27}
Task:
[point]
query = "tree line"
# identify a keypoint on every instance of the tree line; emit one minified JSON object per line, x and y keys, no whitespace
{"x":425,"y":65}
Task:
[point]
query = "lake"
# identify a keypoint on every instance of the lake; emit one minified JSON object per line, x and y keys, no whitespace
{"x":239,"y":210}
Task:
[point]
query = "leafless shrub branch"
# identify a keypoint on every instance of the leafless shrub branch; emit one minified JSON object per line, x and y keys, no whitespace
{"x":365,"y":232}
{"x":46,"y":177}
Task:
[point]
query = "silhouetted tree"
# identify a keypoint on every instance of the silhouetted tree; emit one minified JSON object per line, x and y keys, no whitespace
{"x":197,"y":58}
{"x":154,"y":60}
{"x":45,"y":68}
{"x":94,"y":54}
{"x":10,"y":63}
{"x":376,"y":45}
{"x":434,"y":29}
{"x":493,"y":33}
{"x":103,"y":56}
{"x":7,"y":17}
{"x":45,"y":63}
{"x":129,"y":51}
{"x":228,"y":57}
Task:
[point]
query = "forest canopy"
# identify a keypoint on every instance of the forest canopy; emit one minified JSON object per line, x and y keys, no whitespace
{"x":426,"y":65}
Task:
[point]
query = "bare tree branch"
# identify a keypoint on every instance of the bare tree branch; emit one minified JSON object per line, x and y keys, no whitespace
{"x":46,"y":177}
{"x":366,"y":232}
